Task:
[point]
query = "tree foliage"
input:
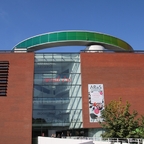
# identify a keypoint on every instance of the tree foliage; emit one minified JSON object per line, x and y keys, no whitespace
{"x":119,"y":122}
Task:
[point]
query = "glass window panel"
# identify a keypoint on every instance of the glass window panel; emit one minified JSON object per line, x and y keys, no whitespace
{"x":50,"y":103}
{"x":57,"y":116}
{"x":29,"y":42}
{"x":57,"y":102}
{"x":107,"y":38}
{"x":81,"y":36}
{"x":39,"y":58}
{"x":36,"y":40}
{"x":44,"y":38}
{"x":76,"y":115}
{"x":37,"y":91}
{"x":44,"y":91}
{"x":57,"y":67}
{"x":57,"y":57}
{"x":122,"y":43}
{"x":75,"y":91}
{"x":66,"y":57}
{"x":71,"y":35}
{"x":22,"y":45}
{"x":62,"y":36}
{"x":38,"y":81}
{"x":74,"y":103}
{"x":75,"y":68}
{"x":75,"y":55}
{"x":114,"y":41}
{"x":41,"y":69}
{"x":41,"y":106}
{"x":48,"y":57}
{"x":99,"y":37}
{"x":76,"y":125}
{"x":75,"y":79}
{"x":91,"y":37}
{"x":52,"y":37}
{"x":61,"y":90}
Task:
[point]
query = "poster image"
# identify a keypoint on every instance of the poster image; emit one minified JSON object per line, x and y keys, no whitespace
{"x":96,"y":101}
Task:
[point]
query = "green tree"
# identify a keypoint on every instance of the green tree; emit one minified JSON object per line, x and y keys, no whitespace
{"x":140,"y":130}
{"x":119,"y":122}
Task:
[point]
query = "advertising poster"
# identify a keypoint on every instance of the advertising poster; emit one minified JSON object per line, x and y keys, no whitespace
{"x":96,"y":101}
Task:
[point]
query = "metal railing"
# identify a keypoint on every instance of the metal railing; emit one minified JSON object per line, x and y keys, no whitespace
{"x":84,"y":51}
{"x":113,"y":140}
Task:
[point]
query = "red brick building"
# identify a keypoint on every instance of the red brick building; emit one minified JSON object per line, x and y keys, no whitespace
{"x":46,"y":93}
{"x":16,"y":105}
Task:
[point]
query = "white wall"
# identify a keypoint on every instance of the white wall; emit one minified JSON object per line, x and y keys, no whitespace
{"x":48,"y":140}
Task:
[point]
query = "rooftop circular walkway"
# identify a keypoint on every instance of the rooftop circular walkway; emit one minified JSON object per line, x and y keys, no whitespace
{"x":72,"y":38}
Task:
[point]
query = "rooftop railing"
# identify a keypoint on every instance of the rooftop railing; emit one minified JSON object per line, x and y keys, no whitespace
{"x":81,"y":51}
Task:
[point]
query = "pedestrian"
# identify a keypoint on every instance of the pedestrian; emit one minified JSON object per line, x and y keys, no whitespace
{"x":62,"y":135}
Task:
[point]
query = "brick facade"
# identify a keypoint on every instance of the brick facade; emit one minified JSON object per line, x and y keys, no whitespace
{"x":16,"y":107}
{"x":122,"y":75}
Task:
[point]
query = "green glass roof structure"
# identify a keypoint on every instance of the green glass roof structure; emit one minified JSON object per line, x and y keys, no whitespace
{"x":72,"y":38}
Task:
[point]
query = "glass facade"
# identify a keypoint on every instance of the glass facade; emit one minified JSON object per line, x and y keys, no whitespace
{"x":57,"y":99}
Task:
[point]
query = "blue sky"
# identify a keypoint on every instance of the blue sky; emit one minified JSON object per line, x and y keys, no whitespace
{"x":20,"y":19}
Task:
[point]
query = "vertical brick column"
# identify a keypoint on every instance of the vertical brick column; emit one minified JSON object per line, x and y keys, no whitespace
{"x":16,"y":106}
{"x":122,"y":75}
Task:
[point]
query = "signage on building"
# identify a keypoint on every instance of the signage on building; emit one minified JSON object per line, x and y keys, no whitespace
{"x":57,"y":79}
{"x":96,"y":101}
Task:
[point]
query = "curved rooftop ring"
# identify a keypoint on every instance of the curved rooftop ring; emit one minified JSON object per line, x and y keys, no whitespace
{"x":72,"y":38}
